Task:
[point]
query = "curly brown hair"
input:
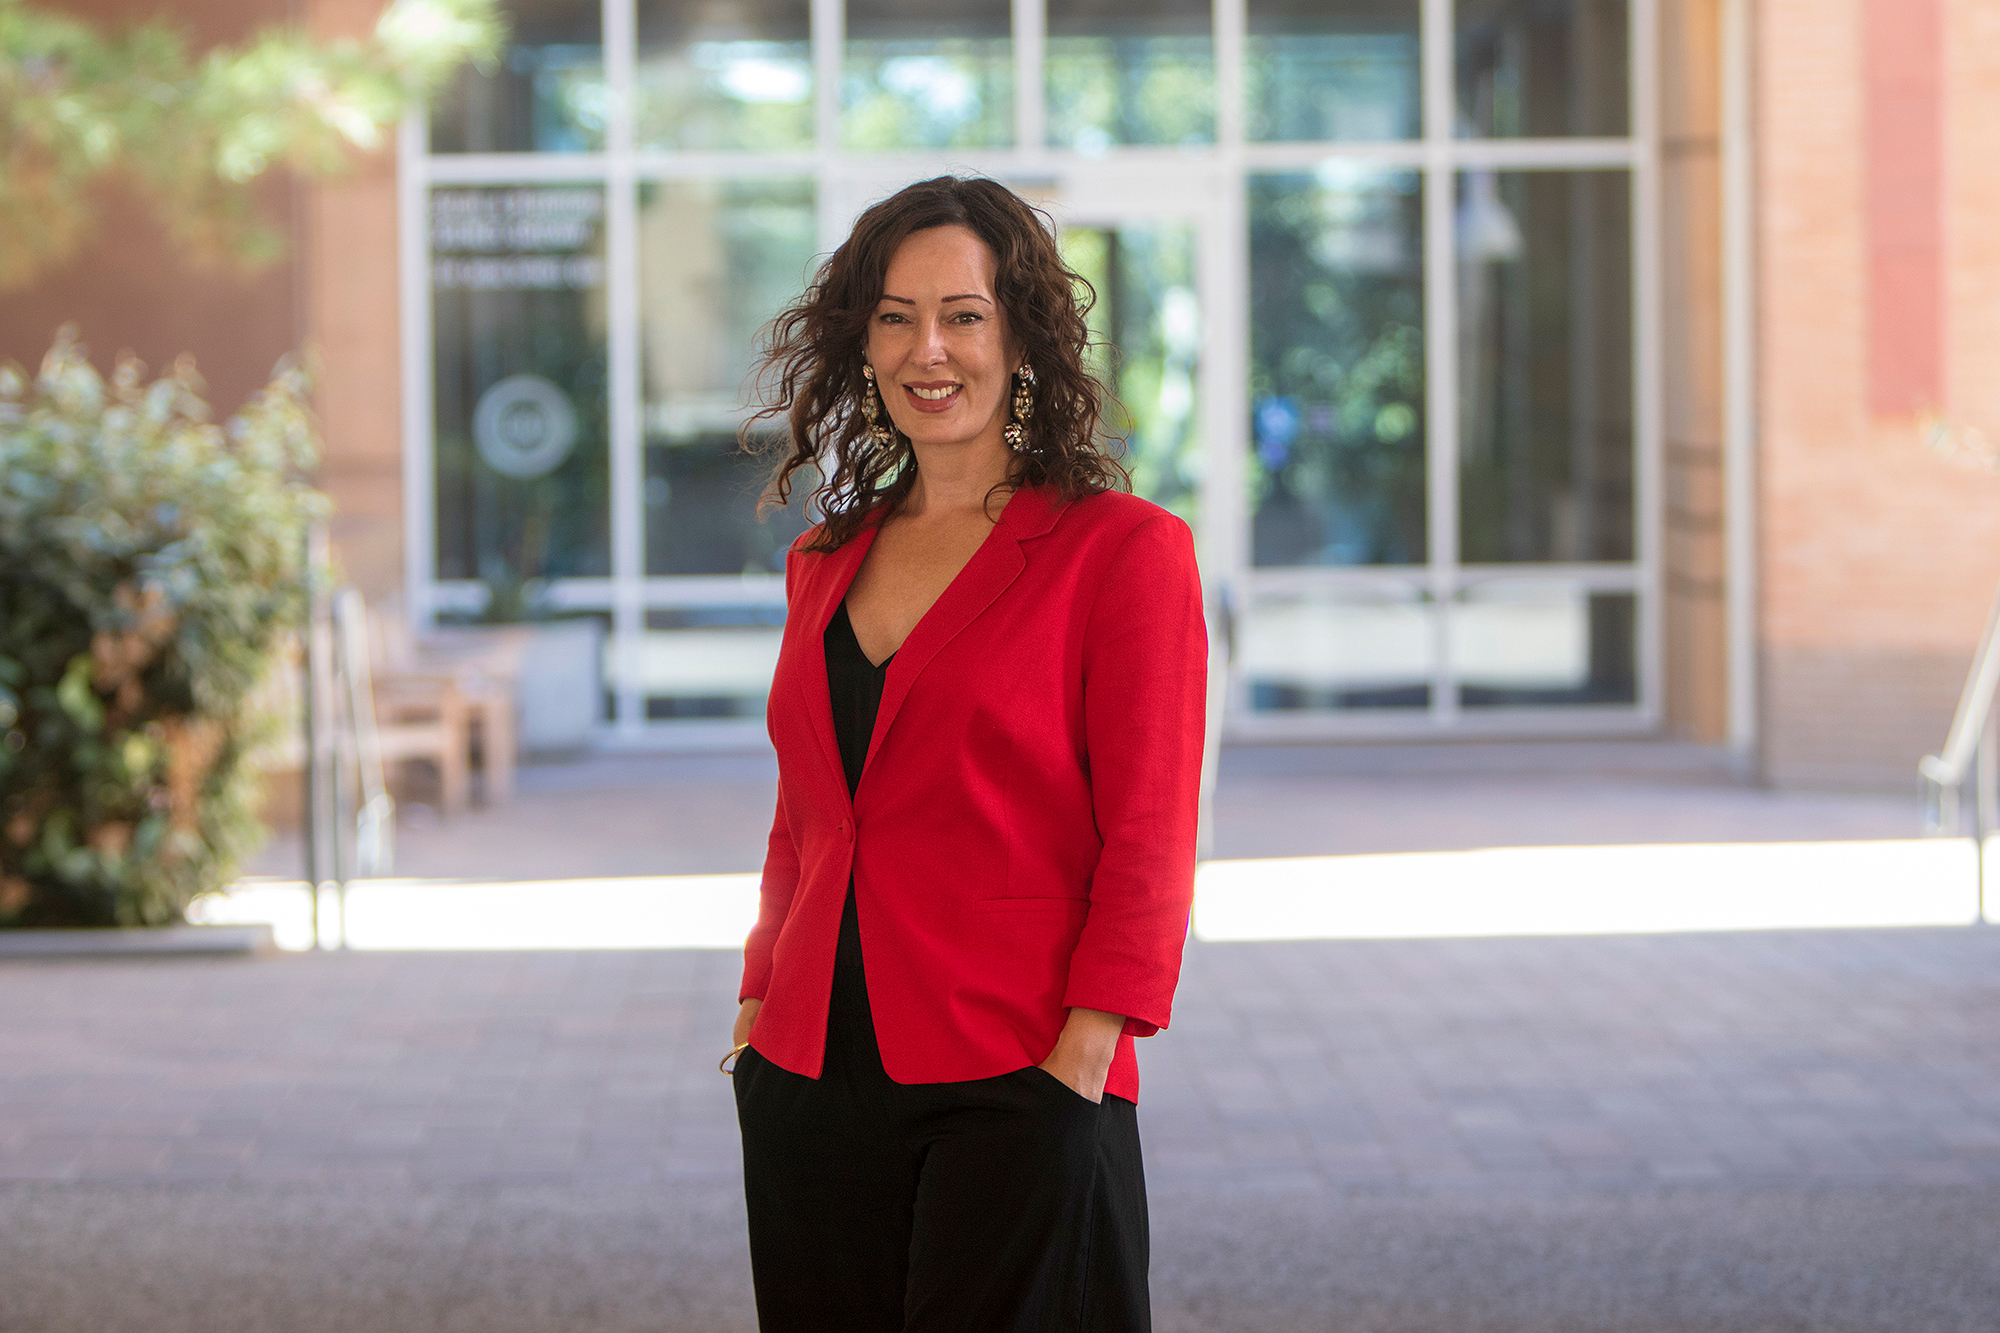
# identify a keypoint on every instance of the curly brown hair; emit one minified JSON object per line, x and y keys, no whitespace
{"x":810,"y":371}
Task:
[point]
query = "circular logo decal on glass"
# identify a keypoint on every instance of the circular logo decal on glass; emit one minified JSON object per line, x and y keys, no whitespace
{"x":524,"y":426}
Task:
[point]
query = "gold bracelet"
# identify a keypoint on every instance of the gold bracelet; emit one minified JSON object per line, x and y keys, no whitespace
{"x":725,"y":1066}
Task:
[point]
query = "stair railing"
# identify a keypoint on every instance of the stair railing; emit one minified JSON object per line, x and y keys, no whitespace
{"x":350,"y":818}
{"x":1962,"y":780}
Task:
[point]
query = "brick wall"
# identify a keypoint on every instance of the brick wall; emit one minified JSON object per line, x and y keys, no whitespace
{"x":335,"y":292}
{"x":129,"y":289}
{"x":1878,"y":557}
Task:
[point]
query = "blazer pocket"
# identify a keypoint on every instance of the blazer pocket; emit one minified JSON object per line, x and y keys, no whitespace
{"x":1031,"y":904}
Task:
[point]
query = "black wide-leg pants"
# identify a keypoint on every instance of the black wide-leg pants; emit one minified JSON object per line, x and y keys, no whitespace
{"x":1000,"y":1205}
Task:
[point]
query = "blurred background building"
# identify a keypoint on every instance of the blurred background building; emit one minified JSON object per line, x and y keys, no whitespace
{"x":1526,"y":367}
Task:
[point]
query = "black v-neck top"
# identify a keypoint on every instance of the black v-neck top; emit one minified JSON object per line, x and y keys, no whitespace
{"x":855,"y":683}
{"x":855,"y":686}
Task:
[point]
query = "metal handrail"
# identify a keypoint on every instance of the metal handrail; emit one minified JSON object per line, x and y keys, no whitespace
{"x":1969,"y":758}
{"x":375,"y":821}
{"x":343,"y":840}
{"x":1949,"y":767}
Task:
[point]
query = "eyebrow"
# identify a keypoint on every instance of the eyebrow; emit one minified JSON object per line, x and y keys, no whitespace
{"x":962,"y":296}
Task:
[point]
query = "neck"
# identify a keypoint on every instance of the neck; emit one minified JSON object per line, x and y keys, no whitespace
{"x":957,"y":479}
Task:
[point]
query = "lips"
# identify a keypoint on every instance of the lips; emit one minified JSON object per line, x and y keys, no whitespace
{"x":934,"y":397}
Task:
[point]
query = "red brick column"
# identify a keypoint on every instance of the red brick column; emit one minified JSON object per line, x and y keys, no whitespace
{"x":1877,"y":263}
{"x":1903,"y":71}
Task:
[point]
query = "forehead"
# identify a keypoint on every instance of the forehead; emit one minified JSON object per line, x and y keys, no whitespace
{"x":939,"y":261}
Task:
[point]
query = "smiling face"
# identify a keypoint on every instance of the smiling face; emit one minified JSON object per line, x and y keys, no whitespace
{"x":939,"y":344}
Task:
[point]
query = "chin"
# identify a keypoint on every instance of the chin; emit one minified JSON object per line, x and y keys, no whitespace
{"x":942,"y":435}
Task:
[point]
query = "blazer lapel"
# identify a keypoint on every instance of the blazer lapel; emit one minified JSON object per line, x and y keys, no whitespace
{"x":993,"y":567}
{"x":817,"y":605}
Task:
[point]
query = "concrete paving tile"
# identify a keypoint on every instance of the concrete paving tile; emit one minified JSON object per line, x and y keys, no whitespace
{"x":1970,"y":1139}
{"x":1487,"y":1119}
{"x":1758,"y":1160}
{"x":1352,"y":1158}
{"x":1586,"y":1142}
{"x":1503,"y":1158}
{"x":1687,"y":1171}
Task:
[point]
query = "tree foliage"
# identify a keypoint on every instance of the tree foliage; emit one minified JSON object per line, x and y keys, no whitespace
{"x":153,"y":561}
{"x":78,"y":106}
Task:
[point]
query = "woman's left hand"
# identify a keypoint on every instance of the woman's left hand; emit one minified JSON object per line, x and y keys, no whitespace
{"x":1082,"y":1057}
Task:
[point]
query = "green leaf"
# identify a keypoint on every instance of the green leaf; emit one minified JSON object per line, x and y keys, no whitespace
{"x":138,"y":754}
{"x":76,"y":696}
{"x":78,"y":105}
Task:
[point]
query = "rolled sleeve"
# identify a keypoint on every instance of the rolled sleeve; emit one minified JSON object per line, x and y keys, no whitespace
{"x":1145,"y":690}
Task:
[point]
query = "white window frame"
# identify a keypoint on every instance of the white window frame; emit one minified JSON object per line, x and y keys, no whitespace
{"x":1207,"y":187}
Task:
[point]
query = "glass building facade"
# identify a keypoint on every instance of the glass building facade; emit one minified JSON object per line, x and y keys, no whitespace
{"x":1379,"y":276}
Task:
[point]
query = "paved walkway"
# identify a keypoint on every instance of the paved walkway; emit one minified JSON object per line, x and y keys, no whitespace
{"x":1749,"y":1131}
{"x":705,"y":814}
{"x":1782,"y":1131}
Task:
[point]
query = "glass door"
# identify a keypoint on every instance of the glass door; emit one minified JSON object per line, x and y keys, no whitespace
{"x":1146,"y":333}
{"x":1153,"y":249}
{"x":1441,"y":474}
{"x":1151,"y":261}
{"x":716,"y":260}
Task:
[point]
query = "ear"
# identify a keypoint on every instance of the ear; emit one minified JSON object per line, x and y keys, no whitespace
{"x":1017,"y":352}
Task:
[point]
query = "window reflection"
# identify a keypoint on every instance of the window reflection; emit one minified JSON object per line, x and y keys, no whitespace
{"x":1545,"y":365}
{"x":570,"y":658}
{"x":928,"y":75}
{"x":1331,"y":69}
{"x":1146,"y":331}
{"x":717,"y":260}
{"x":546,"y":95}
{"x":724,"y":75}
{"x":1533,"y":68}
{"x":1130,"y":72}
{"x":1520,"y":643}
{"x":1360,"y":647}
{"x":1337,"y":367}
{"x":517,"y":278}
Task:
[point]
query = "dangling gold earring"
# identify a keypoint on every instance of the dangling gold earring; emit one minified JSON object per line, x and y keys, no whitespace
{"x":874,"y":408}
{"x":1024,"y":407}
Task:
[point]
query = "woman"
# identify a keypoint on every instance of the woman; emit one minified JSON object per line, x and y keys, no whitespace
{"x":988,"y":718}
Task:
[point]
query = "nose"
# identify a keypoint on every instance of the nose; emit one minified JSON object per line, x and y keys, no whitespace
{"x":930,"y":343}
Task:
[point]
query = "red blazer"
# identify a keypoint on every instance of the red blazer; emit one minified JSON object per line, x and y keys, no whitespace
{"x":1022,"y":838}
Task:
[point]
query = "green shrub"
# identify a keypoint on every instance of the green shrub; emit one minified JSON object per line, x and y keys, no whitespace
{"x":150,"y":564}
